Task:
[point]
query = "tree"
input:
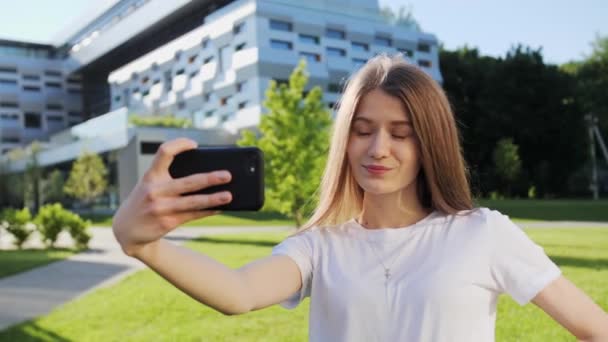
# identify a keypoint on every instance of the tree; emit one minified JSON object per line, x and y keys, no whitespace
{"x":294,"y":139}
{"x":87,"y":179}
{"x":33,"y":176}
{"x":507,"y":162}
{"x":403,"y":17}
{"x":53,"y":187}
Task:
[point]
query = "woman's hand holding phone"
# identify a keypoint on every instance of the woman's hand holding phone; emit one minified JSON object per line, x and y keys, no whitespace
{"x":155,"y":206}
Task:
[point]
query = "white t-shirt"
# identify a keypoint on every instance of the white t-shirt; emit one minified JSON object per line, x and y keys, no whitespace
{"x":447,"y":272}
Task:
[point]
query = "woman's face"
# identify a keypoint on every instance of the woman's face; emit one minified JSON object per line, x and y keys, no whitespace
{"x":383,"y":151}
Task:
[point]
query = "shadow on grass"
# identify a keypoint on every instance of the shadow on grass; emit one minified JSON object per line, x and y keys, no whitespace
{"x":29,"y":331}
{"x":592,"y":263}
{"x":261,"y":243}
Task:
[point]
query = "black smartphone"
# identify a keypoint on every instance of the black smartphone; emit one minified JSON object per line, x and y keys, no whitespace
{"x":246,"y":164}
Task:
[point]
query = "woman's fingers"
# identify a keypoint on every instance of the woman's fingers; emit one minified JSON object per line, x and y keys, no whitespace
{"x":166,"y":152}
{"x":178,"y":205}
{"x":193,"y":215}
{"x":192,"y":183}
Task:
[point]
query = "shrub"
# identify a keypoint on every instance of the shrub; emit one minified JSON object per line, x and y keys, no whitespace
{"x":53,"y":218}
{"x":17,"y":223}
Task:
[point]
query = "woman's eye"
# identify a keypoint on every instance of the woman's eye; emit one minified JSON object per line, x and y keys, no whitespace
{"x":401,"y":136}
{"x":359,"y":133}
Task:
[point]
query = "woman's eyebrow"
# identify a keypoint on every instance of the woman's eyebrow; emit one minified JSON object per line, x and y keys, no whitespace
{"x":394,"y":123}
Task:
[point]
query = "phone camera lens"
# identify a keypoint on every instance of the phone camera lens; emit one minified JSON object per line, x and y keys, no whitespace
{"x":252,"y":169}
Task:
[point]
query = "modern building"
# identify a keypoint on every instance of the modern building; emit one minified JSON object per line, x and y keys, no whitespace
{"x":207,"y":60}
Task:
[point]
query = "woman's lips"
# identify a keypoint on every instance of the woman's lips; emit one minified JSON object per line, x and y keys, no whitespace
{"x":376,"y":169}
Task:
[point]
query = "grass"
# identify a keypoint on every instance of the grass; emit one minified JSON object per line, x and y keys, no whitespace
{"x":145,"y":307}
{"x":225,"y":219}
{"x":564,"y":210}
{"x":15,"y":261}
{"x":520,"y":210}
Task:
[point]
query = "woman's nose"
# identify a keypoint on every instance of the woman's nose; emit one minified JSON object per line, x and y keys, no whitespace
{"x":379,"y":146}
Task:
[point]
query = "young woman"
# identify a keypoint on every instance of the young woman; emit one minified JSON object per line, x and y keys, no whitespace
{"x":395,"y":250}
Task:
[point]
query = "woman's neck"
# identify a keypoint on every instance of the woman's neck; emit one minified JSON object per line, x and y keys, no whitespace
{"x":391,"y":210}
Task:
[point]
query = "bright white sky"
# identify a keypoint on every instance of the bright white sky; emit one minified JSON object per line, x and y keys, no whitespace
{"x":564,"y":29}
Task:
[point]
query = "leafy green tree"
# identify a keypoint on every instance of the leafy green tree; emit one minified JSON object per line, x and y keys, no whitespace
{"x":403,"y":17}
{"x":507,"y":162}
{"x":294,"y":139}
{"x":53,"y":187}
{"x":168,"y":120}
{"x":87,"y":179}
{"x":33,"y":176}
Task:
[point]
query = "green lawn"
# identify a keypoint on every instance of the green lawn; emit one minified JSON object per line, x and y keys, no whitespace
{"x":15,"y":261}
{"x":224,"y":219}
{"x":144,"y":307}
{"x":563,"y":210}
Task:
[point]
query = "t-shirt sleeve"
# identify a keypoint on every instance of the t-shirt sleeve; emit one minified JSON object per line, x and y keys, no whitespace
{"x":300,"y":249}
{"x":519,"y":266}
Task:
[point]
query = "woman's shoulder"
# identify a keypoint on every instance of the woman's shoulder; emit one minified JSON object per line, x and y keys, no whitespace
{"x":482,"y":218}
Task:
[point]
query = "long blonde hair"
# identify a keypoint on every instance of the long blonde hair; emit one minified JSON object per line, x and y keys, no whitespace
{"x":442,"y":183}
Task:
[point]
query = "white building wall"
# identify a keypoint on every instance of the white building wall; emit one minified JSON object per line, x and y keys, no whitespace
{"x":37,"y":98}
{"x":197,"y":75}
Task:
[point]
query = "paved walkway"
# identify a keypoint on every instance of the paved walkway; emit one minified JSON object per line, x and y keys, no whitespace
{"x":36,"y":292}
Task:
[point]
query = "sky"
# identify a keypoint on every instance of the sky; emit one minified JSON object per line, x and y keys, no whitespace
{"x":563,"y":29}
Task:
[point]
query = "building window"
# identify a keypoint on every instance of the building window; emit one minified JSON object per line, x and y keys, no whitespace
{"x":281,"y":81}
{"x":224,"y":100}
{"x":240,"y":47}
{"x":117,"y":98}
{"x":53,"y":85}
{"x":9,"y":117}
{"x":178,"y":55}
{"x":145,"y":80}
{"x":194,"y":74}
{"x":424,"y":63}
{"x":54,"y":106}
{"x":309,"y":39}
{"x":280,"y":25}
{"x":8,"y":104}
{"x":205,"y":43}
{"x":238,"y":28}
{"x":311,"y":57}
{"x":32,"y":120}
{"x":242,"y":104}
{"x":239,"y":86}
{"x":54,"y":118}
{"x":74,"y":114}
{"x":209,"y":113}
{"x":135,"y":91}
{"x":280,"y":44}
{"x":146,"y":92}
{"x":31,"y":77}
{"x":52,"y":73}
{"x":406,"y":52}
{"x":424,"y":47}
{"x":5,"y":81}
{"x":181,"y":105}
{"x":180,"y":71}
{"x":363,"y":47}
{"x":8,"y":69}
{"x":224,"y":118}
{"x":156,"y":81}
{"x":206,"y":97}
{"x":146,"y":147}
{"x":192,"y":59}
{"x":336,"y":52}
{"x":333,"y":87}
{"x":334,"y":33}
{"x":383,"y":41}
{"x":74,"y":91}
{"x":208,"y":60}
{"x":6,"y":139}
{"x":31,"y":88}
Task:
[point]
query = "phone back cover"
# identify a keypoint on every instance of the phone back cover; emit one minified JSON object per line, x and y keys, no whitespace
{"x":246,"y":186}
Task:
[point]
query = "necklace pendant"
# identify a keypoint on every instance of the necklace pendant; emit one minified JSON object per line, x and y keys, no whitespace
{"x":387,"y":273}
